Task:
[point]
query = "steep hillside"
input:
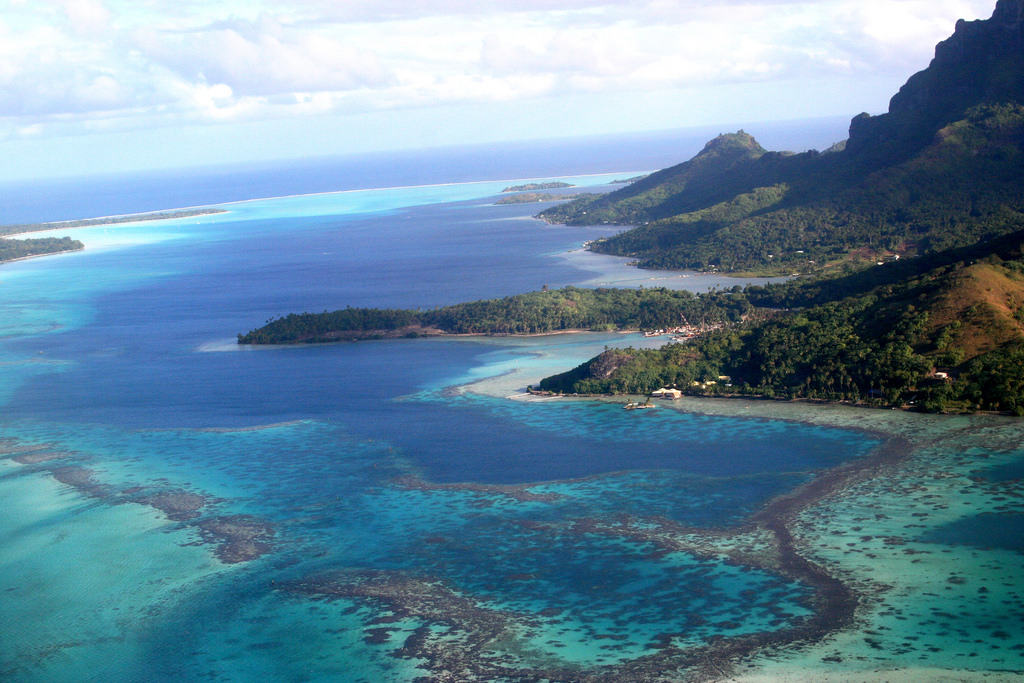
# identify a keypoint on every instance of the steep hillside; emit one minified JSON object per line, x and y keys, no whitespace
{"x":945,"y":167}
{"x":707,"y":177}
{"x":981,"y":63}
{"x":979,"y":309}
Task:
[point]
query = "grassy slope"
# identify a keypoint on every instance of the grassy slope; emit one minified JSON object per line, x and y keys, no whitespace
{"x":981,"y":306}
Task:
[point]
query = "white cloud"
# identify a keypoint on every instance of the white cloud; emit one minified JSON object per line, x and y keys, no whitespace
{"x":88,"y":17}
{"x":126,"y":62}
{"x":264,"y":62}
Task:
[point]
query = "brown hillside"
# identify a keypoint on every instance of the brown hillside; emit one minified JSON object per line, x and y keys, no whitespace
{"x":982,"y":307}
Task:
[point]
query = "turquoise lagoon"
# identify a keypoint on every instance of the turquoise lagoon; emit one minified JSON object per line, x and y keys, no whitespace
{"x":179,"y":508}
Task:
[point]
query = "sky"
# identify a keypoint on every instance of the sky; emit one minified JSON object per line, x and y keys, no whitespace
{"x":100,"y":86}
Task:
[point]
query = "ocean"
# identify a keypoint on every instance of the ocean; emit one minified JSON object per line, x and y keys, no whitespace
{"x":177,"y":507}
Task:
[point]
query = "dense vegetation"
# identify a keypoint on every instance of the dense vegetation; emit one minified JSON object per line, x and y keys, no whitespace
{"x":962,"y":320}
{"x":551,"y":185}
{"x":11,"y":249}
{"x":540,"y":312}
{"x":876,"y":336}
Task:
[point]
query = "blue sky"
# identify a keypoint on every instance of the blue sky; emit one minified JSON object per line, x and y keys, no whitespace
{"x":120,"y":85}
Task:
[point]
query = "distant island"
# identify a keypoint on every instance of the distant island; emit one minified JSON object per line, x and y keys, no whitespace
{"x":22,"y":228}
{"x":908,"y":240}
{"x":534,"y":197}
{"x":17,"y":249}
{"x":532,"y":187}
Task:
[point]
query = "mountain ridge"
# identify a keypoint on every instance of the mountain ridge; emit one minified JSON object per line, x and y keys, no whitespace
{"x":719,"y":156}
{"x":956,"y":122}
{"x":979,"y":64}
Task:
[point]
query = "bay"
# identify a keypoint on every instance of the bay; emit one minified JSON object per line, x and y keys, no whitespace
{"x":204,"y":510}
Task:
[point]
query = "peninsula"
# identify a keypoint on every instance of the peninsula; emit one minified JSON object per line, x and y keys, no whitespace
{"x":15,"y":250}
{"x":543,"y":312}
{"x":22,"y":228}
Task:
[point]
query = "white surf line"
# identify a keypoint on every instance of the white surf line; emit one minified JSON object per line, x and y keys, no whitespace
{"x":119,"y":219}
{"x":57,"y":225}
{"x":524,"y":396}
{"x":427,"y":185}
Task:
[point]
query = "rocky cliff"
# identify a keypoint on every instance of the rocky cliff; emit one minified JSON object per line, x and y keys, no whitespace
{"x":981,"y":63}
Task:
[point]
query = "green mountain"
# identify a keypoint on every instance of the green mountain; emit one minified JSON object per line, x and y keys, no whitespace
{"x":668,"y":192}
{"x":943,"y":168}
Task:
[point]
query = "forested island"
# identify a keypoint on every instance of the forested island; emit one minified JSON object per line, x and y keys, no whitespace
{"x":533,"y":187}
{"x":15,"y":249}
{"x":543,"y":312}
{"x":12,"y":249}
{"x":908,"y":239}
{"x":108,"y":220}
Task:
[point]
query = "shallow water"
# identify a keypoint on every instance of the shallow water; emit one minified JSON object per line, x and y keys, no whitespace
{"x":194,"y":509}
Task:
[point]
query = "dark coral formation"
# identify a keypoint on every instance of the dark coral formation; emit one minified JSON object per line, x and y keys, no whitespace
{"x":461,"y":639}
{"x":238,"y":538}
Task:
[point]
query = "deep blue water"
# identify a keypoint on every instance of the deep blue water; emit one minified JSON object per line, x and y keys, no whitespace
{"x":71,"y":198}
{"x":1009,"y":472}
{"x":122,"y":356}
{"x":990,"y":530}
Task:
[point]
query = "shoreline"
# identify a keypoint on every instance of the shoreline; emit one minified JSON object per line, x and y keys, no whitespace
{"x":768,"y":399}
{"x":115,"y":219}
{"x":405,"y":333}
{"x":49,"y":253}
{"x":849,"y":602}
